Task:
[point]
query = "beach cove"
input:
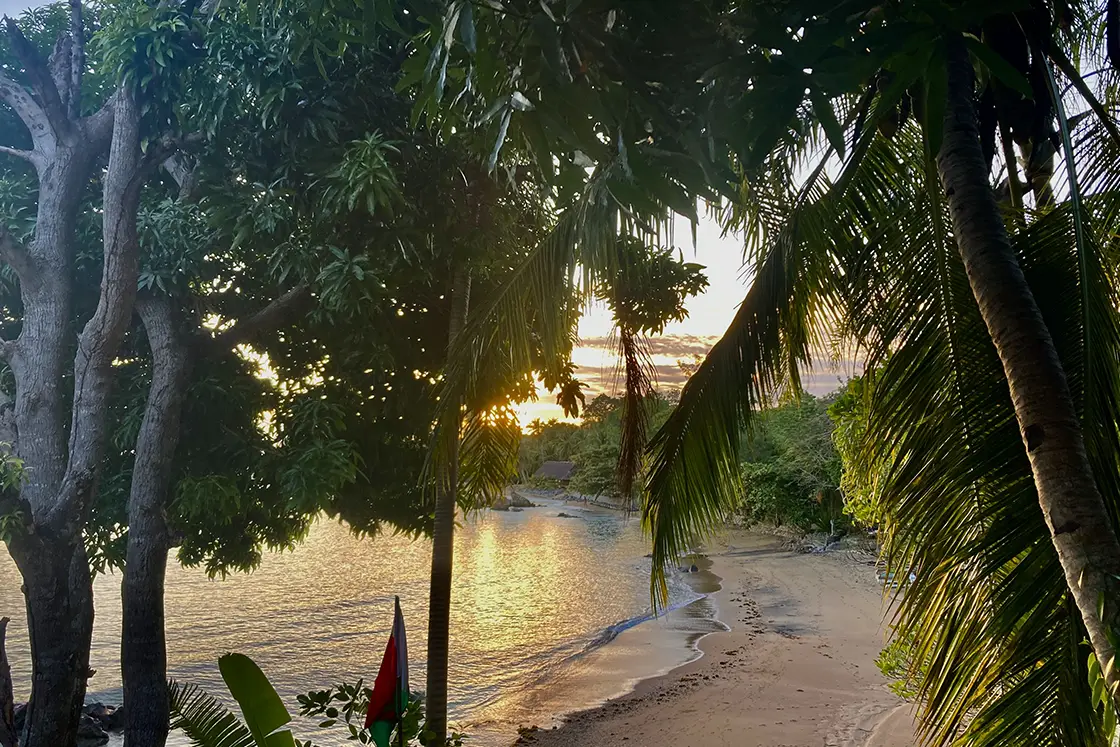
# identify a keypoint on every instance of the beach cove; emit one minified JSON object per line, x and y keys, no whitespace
{"x":761,"y":646}
{"x":795,"y":669}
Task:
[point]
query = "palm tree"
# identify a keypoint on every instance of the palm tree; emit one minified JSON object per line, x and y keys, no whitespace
{"x":996,"y":634}
{"x":443,"y":543}
{"x":1044,"y":364}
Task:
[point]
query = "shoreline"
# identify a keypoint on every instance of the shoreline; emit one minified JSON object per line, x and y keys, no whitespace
{"x":780,"y":673}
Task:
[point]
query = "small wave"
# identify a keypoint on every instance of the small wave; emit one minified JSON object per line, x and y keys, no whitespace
{"x":611,"y":632}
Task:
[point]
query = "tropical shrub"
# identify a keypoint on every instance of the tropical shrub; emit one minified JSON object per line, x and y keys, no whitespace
{"x":849,"y":412}
{"x":344,"y":706}
{"x":790,"y":469}
{"x":208,"y":723}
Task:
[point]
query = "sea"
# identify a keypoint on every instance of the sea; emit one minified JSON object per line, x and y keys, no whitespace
{"x":551,"y":614}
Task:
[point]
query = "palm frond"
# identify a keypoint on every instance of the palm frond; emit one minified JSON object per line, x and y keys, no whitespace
{"x":205,"y":721}
{"x":996,"y":643}
{"x":638,"y":388}
{"x":693,"y":481}
{"x":529,"y":322}
{"x":487,"y":456}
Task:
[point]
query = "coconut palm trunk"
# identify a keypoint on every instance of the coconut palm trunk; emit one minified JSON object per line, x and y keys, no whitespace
{"x":443,"y":541}
{"x":1074,"y":510}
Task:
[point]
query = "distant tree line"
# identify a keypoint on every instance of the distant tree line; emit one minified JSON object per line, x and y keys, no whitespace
{"x":791,"y":470}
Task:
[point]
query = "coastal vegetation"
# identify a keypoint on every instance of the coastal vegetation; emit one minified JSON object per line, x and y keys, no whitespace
{"x":268,"y":261}
{"x":790,"y":469}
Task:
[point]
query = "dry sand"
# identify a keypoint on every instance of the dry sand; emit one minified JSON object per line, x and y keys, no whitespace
{"x":797,"y":668}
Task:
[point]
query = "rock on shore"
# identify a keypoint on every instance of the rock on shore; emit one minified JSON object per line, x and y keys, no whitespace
{"x":98,"y":721}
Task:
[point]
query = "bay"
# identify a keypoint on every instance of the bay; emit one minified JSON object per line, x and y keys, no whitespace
{"x":550,"y":615}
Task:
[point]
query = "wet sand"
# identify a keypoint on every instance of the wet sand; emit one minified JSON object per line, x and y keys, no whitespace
{"x":797,"y":668}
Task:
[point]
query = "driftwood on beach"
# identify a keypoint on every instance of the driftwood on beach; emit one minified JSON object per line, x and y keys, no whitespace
{"x":7,"y":703}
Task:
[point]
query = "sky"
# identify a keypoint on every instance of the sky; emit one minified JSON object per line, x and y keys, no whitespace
{"x":14,"y":7}
{"x":709,"y":315}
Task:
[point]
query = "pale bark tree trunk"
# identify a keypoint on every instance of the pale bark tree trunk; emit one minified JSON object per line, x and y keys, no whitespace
{"x":443,"y":549}
{"x":143,"y":643}
{"x":60,"y":464}
{"x":1071,"y":503}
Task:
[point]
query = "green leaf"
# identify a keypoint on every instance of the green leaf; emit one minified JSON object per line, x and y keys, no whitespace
{"x":204,"y":720}
{"x":822,"y":107}
{"x":1003,"y":70}
{"x":451,"y":22}
{"x":519,"y":102}
{"x":261,"y":706}
{"x":548,"y":36}
{"x":503,"y":128}
{"x":467,"y":33}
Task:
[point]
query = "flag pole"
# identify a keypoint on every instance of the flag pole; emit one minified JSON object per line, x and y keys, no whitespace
{"x":400,"y":711}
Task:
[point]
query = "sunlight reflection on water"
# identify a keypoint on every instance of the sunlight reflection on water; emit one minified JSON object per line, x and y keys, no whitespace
{"x":534,"y":594}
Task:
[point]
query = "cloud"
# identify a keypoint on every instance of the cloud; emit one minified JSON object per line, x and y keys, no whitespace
{"x":596,"y":358}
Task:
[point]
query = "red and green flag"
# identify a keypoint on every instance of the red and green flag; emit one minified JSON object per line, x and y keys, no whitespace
{"x":390,"y":689}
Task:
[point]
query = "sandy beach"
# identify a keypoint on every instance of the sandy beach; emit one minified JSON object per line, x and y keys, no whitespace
{"x":797,"y":668}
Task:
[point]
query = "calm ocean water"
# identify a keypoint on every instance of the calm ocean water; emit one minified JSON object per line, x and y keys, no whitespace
{"x":549,"y":615}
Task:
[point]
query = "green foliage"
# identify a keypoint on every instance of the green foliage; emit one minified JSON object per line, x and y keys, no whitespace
{"x":205,"y":721}
{"x":261,"y":707}
{"x":208,"y":724}
{"x":594,"y":445}
{"x":12,"y":475}
{"x":331,"y":413}
{"x":1102,"y":700}
{"x":790,"y":466}
{"x":363,"y":176}
{"x":489,"y":456}
{"x":147,"y":47}
{"x":896,"y":662}
{"x":344,"y":706}
{"x":596,"y":469}
{"x":12,"y":470}
{"x":849,"y":412}
{"x":550,"y":441}
{"x":650,"y":288}
{"x":773,"y":494}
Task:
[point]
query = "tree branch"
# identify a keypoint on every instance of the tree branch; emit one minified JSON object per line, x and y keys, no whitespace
{"x":26,"y":108}
{"x":184,"y":175}
{"x":99,"y":125}
{"x":31,"y":156}
{"x":77,"y":59}
{"x":59,"y":65}
{"x":15,"y":253}
{"x":101,"y":337}
{"x":165,"y":148}
{"x":41,"y":81}
{"x":273,"y":316}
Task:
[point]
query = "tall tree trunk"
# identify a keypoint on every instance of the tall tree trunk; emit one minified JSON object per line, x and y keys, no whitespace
{"x":8,"y":736}
{"x":60,"y":465}
{"x":59,"y":598}
{"x":443,"y":549}
{"x":57,"y":588}
{"x":1074,"y":510}
{"x":143,"y":642}
{"x":61,"y":473}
